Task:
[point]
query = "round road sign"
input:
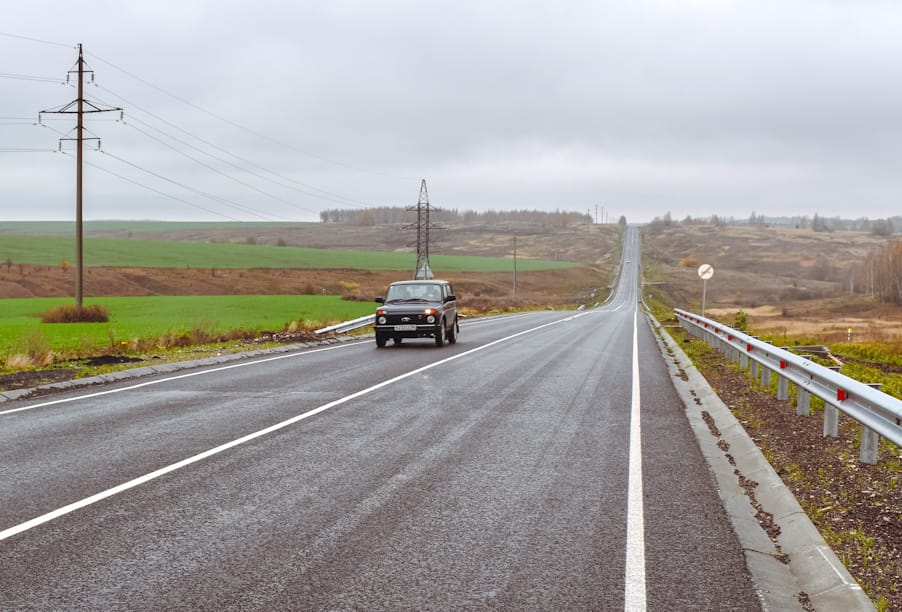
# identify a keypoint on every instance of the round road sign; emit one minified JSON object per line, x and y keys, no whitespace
{"x":705,"y":271}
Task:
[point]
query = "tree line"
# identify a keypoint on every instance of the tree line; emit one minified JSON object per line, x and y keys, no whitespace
{"x":396,"y":215}
{"x":817,"y":223}
{"x":884,"y":269}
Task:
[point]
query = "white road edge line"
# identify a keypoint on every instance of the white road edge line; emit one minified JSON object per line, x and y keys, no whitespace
{"x":158,"y":381}
{"x":634,"y":598}
{"x":11,"y":531}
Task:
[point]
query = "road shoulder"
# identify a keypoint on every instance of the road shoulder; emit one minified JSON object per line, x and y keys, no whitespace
{"x":791,"y":565}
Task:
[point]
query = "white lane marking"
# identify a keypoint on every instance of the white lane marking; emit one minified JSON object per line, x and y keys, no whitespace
{"x":158,"y":381}
{"x":208,"y":371}
{"x":6,"y":533}
{"x":634,"y":600}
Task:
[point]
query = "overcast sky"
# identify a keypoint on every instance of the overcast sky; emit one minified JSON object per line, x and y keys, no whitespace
{"x":639,"y":107}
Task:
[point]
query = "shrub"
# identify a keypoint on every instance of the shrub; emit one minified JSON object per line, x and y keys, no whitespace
{"x":690,"y":262}
{"x":94,"y":313}
{"x":741,"y":321}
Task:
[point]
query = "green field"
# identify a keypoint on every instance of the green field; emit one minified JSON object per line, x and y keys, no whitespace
{"x":117,"y":252}
{"x":156,"y":316}
{"x":67,"y":228}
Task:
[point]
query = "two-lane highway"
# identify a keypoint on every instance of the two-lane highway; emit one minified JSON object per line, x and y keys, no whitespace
{"x":494,"y":473}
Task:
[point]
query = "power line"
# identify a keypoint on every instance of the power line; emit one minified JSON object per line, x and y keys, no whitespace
{"x":227,"y":162}
{"x":247,"y":129}
{"x":221,"y":200}
{"x":327,"y":195}
{"x":220,"y":172}
{"x":174,"y":182}
{"x":80,"y":106}
{"x":157,"y":191}
{"x":324,"y":195}
{"x":38,"y":40}
{"x":30,"y":77}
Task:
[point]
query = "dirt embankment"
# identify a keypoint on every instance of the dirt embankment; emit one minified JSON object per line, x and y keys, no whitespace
{"x":595,"y":247}
{"x":552,"y":287}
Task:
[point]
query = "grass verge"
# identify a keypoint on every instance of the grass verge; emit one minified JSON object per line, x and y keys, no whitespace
{"x":856,"y":507}
{"x":158,"y":322}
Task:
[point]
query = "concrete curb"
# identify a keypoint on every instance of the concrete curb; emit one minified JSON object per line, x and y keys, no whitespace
{"x":165,"y":368}
{"x":813,"y":568}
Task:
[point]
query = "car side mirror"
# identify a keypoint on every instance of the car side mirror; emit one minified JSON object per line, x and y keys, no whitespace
{"x":380,"y":300}
{"x":451,"y":298}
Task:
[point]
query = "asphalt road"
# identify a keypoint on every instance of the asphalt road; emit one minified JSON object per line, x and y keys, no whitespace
{"x":494,"y":473}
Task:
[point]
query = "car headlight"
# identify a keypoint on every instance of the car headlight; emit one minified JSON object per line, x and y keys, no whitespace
{"x":382,"y":320}
{"x":430,"y":319}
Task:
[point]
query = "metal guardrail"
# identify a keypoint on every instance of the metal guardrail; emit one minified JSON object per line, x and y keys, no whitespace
{"x":878,"y":413}
{"x":349,"y":325}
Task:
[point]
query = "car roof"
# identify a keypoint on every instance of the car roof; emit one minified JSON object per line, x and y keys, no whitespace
{"x":421,"y":282}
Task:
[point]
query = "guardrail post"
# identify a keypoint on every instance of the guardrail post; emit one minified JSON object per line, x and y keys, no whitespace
{"x":831,"y":421}
{"x":803,"y":402}
{"x":870,"y":440}
{"x":878,"y":415}
{"x":782,"y":389}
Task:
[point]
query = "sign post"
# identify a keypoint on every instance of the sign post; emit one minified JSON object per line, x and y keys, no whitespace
{"x":705,"y":271}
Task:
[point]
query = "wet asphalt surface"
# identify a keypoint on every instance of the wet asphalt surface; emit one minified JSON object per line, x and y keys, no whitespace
{"x":496,"y":479}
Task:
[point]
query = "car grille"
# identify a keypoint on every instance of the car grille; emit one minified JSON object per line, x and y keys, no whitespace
{"x":401,"y":319}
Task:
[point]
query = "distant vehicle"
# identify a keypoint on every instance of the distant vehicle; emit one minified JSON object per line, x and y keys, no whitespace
{"x":627,"y":261}
{"x":417,"y":309}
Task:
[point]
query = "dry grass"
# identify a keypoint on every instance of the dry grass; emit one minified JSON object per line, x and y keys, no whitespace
{"x":883,"y":325}
{"x":790,"y":282}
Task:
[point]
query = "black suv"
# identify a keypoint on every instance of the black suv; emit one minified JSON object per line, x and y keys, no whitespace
{"x":417,"y":309}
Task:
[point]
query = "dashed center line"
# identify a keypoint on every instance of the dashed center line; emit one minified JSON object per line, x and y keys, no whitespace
{"x":40,"y":520}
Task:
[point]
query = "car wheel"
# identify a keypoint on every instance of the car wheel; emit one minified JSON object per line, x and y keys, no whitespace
{"x":380,"y":340}
{"x":452,"y":333}
{"x":440,"y":335}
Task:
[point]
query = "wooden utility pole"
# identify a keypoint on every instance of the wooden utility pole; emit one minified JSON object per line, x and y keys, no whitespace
{"x":77,"y":108}
{"x":79,"y":169}
{"x":515,"y":267}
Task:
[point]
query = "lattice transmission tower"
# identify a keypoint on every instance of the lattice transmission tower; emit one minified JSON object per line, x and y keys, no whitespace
{"x":423,"y":227}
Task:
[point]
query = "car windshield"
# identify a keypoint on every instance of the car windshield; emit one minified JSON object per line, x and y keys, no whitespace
{"x":413,"y":293}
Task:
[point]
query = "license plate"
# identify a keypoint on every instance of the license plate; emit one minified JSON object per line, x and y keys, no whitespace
{"x":405,"y":328}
